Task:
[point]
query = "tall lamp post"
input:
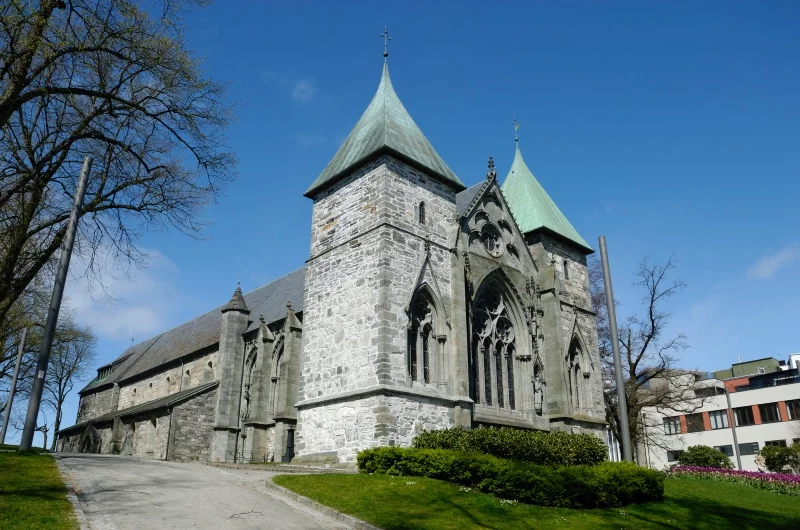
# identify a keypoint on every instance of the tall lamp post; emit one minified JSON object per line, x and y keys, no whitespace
{"x":622,"y":401}
{"x":52,"y":313}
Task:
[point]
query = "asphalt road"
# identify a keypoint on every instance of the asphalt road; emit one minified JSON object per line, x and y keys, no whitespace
{"x":120,"y":493}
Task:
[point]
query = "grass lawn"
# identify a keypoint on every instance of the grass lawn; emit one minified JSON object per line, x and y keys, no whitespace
{"x":32,"y":494}
{"x":417,"y":502}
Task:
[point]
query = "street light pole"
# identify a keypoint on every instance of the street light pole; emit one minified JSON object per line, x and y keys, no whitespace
{"x":52,"y":313}
{"x":13,"y":388}
{"x":622,"y":401}
{"x":732,"y":419}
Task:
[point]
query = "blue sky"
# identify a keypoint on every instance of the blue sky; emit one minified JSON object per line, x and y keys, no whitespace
{"x":670,"y":128}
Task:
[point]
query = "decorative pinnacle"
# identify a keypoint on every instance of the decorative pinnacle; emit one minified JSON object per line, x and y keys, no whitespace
{"x":491,"y":173}
{"x":289,"y":305}
{"x":386,"y":39}
{"x":515,"y":123}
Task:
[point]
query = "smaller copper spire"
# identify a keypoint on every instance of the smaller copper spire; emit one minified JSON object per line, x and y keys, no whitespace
{"x":386,"y":39}
{"x":515,"y":123}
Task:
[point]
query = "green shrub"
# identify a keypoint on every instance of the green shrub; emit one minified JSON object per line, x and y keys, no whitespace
{"x":780,"y":459}
{"x":546,"y":448}
{"x":607,"y":484}
{"x":705,"y":456}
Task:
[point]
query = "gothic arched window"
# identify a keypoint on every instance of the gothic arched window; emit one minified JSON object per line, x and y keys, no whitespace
{"x":421,"y":337}
{"x":422,"y":213}
{"x":494,"y":347}
{"x":574,"y":374}
{"x":276,"y":380}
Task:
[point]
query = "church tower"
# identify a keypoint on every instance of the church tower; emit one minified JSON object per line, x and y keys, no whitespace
{"x":378,"y":276}
{"x":568,"y":326}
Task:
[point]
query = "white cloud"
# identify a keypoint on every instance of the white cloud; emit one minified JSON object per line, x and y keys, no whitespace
{"x":141,"y":303}
{"x":768,"y":265}
{"x":301,"y":90}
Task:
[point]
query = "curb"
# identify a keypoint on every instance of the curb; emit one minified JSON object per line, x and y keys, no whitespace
{"x":80,"y":516}
{"x":321,"y":508}
{"x":289,"y":469}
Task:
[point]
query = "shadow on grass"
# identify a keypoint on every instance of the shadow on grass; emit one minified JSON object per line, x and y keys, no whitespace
{"x":706,"y":513}
{"x":44,"y":493}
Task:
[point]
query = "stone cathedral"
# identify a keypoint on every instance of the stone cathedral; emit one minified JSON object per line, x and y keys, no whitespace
{"x":424,"y":304}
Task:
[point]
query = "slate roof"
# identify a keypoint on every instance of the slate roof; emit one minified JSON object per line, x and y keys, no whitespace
{"x":532,"y":207}
{"x":268,"y":300}
{"x":386,"y":126}
{"x":464,"y":198}
{"x":142,"y":408}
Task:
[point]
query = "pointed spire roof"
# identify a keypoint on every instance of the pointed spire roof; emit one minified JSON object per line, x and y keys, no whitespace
{"x":237,"y":302}
{"x":532,"y":207}
{"x":385,"y":126}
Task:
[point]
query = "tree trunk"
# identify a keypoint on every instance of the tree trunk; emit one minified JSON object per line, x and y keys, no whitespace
{"x":56,"y":426}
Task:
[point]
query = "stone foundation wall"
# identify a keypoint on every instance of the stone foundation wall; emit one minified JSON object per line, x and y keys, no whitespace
{"x":170,"y":381}
{"x":192,"y":428}
{"x":345,"y":428}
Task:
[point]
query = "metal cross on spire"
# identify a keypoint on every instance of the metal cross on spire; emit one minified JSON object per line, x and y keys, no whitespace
{"x":515,"y":123}
{"x":386,"y":39}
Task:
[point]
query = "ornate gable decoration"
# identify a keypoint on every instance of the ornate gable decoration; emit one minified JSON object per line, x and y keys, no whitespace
{"x":491,"y":230}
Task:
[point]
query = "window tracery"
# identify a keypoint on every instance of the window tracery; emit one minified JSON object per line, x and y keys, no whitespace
{"x":494,"y":341}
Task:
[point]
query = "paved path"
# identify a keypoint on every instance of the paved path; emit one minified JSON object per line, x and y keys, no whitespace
{"x":120,"y":493}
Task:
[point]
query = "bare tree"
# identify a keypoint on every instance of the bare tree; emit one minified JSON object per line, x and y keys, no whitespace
{"x":107,"y":79}
{"x":647,"y":354}
{"x":71,"y":361}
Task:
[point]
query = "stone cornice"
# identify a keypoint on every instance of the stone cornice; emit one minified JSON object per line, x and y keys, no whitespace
{"x":382,"y":390}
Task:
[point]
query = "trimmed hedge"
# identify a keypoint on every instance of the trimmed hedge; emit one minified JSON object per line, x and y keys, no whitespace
{"x":546,"y":448}
{"x":604,"y":485}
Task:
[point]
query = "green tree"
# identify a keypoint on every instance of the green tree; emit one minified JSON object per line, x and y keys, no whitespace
{"x":780,"y":459}
{"x":705,"y":456}
{"x":109,"y":79}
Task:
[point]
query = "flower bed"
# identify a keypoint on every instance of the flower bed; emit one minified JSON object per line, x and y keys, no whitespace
{"x":778,"y":482}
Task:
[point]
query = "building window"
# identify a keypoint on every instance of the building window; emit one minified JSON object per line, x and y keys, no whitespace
{"x":794,"y":409}
{"x":769,"y":413}
{"x":422,"y":213}
{"x":719,"y":419}
{"x":672,"y":425}
{"x":673,"y":456}
{"x":694,"y":423}
{"x":420,"y":333}
{"x":726,"y":449}
{"x":750,"y":448}
{"x":566,"y":269}
{"x":744,"y":416}
{"x":494,"y":349}
{"x":775,"y":443}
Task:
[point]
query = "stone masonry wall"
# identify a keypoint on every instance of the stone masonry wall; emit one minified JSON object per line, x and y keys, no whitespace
{"x":169,"y":381}
{"x":360,"y":280}
{"x":193,"y":435}
{"x":94,"y":405}
{"x":347,"y":427}
{"x":340,"y":321}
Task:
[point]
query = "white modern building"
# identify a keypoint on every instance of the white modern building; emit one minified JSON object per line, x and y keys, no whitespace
{"x":761,"y":408}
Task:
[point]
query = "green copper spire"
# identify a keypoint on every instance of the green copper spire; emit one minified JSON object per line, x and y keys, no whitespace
{"x":385,"y":127}
{"x":532,"y":207}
